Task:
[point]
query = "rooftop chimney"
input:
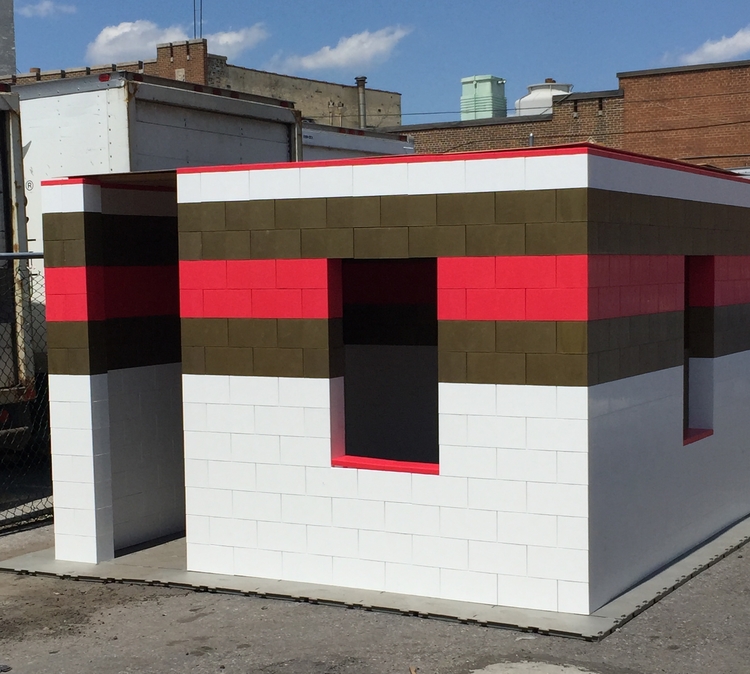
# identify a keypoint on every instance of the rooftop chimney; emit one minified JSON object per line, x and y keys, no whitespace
{"x":362,"y":104}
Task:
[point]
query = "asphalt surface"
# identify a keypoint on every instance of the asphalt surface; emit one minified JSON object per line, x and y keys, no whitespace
{"x":62,"y":626}
{"x":22,"y":482}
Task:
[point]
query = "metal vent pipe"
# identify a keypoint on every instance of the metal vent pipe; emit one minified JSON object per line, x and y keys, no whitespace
{"x":362,"y":104}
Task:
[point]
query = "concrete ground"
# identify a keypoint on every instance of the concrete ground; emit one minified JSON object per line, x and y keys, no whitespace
{"x":58,"y":626}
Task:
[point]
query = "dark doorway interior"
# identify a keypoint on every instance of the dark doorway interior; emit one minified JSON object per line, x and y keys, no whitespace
{"x":390,"y":359}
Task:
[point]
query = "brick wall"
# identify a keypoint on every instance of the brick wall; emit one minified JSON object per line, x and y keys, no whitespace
{"x":37,"y":75}
{"x":598,"y":120}
{"x":700,"y":115}
{"x":182,"y":61}
{"x":697,"y":114}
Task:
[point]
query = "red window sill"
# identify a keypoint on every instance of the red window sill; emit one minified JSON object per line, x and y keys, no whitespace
{"x":385,"y":464}
{"x":692,"y":435}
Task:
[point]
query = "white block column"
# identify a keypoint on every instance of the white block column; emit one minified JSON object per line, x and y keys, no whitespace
{"x":81,"y":467}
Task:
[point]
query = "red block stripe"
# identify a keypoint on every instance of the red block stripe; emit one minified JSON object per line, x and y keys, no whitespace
{"x":559,"y":287}
{"x":309,"y":288}
{"x":633,"y":285}
{"x":513,"y":288}
{"x":719,"y":281}
{"x":74,"y":294}
{"x":98,"y":293}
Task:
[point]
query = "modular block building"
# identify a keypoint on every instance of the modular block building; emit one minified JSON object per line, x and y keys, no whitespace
{"x":515,"y":378}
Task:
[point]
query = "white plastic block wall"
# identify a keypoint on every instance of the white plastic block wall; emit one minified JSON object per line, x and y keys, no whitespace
{"x":523,"y":451}
{"x":434,"y":175}
{"x":444,"y":175}
{"x":651,"y":497}
{"x":82,"y":487}
{"x":504,"y":522}
{"x":148,"y":489}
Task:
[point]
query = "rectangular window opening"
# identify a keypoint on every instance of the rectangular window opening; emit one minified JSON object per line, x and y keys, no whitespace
{"x":390,"y":365}
{"x":698,"y":386}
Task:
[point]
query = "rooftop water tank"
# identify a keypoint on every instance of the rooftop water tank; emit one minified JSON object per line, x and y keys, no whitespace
{"x":483,"y":97}
{"x":539,"y":99}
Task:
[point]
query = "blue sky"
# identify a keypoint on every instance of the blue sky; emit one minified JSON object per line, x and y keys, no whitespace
{"x":420,"y":48}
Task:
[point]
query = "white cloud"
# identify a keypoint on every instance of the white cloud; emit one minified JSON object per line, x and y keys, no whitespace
{"x":724,"y":49}
{"x":355,"y":51}
{"x":133,"y":40}
{"x":45,"y":8}
{"x":232,"y":43}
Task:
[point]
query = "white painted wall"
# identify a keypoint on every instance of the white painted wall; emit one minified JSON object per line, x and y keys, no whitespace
{"x":651,"y":498}
{"x":504,"y":522}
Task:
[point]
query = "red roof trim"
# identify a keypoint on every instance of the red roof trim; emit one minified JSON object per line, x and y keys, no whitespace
{"x":107,"y":186}
{"x":367,"y":463}
{"x":396,"y":159}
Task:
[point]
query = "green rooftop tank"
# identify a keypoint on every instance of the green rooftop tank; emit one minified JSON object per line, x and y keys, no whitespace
{"x":482,"y":97}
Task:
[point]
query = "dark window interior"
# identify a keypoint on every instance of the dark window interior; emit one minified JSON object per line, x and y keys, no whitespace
{"x":390,"y":359}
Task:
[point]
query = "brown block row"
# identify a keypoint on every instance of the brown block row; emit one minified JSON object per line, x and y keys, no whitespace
{"x":567,"y":337}
{"x":564,"y":353}
{"x":388,"y":242}
{"x":543,"y":369}
{"x":76,"y":347}
{"x":718,"y":331}
{"x":262,"y":347}
{"x":93,"y":239}
{"x":608,"y":366}
{"x":633,"y":345}
{"x":625,"y":208}
{"x":283,"y":333}
{"x":543,"y":353}
{"x":544,"y":222}
{"x":627,"y":331}
{"x":484,"y":208}
{"x":262,"y":361}
{"x":503,"y":223}
{"x":95,"y":347}
{"x":638,"y":224}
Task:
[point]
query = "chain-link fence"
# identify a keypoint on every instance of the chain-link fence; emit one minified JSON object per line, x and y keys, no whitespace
{"x":25,"y":464}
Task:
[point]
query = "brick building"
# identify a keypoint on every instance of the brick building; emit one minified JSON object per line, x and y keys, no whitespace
{"x":692,"y":113}
{"x":189,"y":61}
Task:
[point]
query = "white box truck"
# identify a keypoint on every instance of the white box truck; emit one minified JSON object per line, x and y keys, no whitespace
{"x":17,"y":382}
{"x":121,"y":122}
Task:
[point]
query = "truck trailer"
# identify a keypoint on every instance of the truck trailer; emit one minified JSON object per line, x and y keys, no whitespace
{"x":124,"y":122}
{"x":17,"y":381}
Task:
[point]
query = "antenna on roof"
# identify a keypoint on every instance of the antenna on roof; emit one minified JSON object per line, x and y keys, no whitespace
{"x":197,"y":19}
